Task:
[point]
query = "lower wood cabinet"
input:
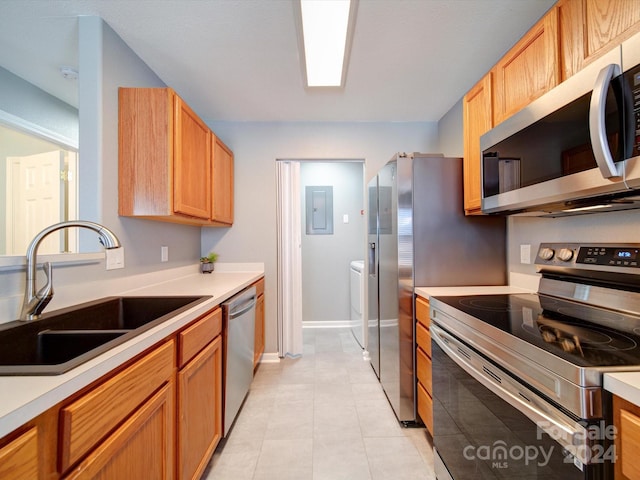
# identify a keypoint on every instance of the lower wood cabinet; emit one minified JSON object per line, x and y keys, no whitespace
{"x":258,"y":347}
{"x":423,"y":363}
{"x":19,"y":457}
{"x":141,"y":448}
{"x":157,"y":417}
{"x":626,"y":418}
{"x":200,"y":410}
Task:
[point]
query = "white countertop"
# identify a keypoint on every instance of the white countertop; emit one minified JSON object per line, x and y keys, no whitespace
{"x":625,"y":385}
{"x":25,"y":397}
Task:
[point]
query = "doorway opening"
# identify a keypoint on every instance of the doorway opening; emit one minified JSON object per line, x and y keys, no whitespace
{"x":321,"y":231}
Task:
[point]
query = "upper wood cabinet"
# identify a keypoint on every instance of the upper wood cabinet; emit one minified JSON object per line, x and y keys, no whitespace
{"x":222,"y":209}
{"x":192,"y":163}
{"x":171,"y":166}
{"x":529,"y":69}
{"x":478,"y":119}
{"x":590,"y":28}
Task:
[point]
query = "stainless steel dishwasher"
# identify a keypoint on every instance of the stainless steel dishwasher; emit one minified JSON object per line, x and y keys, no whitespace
{"x":239,"y":314}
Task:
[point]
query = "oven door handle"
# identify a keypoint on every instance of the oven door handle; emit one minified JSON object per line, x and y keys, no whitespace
{"x":564,"y":430}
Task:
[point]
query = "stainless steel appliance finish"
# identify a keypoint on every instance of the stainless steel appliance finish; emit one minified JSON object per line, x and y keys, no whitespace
{"x":239,"y":313}
{"x":574,"y":150}
{"x":539,"y":358}
{"x":419,"y":236}
{"x":373,"y":285}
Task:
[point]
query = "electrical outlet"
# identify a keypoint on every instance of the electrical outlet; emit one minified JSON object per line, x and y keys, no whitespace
{"x":525,"y":254}
{"x":114,"y":258}
{"x":345,"y":218}
{"x":164,"y":254}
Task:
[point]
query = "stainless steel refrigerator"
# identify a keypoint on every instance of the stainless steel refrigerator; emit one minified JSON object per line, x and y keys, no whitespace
{"x":419,"y":236}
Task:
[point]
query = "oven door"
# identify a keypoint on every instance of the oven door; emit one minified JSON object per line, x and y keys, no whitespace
{"x":487,"y":425}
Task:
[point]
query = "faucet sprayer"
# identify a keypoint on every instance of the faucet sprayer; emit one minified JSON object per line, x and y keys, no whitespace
{"x":35,"y":302}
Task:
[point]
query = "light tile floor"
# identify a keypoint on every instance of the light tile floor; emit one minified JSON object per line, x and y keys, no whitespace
{"x":323,"y":416}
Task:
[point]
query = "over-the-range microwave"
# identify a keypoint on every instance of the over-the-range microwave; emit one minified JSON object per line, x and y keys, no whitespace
{"x":573,"y":150}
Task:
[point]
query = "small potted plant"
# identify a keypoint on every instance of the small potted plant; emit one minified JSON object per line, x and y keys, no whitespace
{"x":207,"y":263}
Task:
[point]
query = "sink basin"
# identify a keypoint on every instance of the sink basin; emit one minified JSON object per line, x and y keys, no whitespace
{"x":61,"y":340}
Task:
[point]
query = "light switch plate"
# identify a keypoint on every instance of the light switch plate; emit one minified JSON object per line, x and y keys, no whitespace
{"x":114,"y":258}
{"x":525,"y":254}
{"x":164,"y":254}
{"x":345,"y":218}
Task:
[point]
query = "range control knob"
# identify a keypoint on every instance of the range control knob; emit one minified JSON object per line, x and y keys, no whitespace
{"x":565,"y":254}
{"x":546,"y":253}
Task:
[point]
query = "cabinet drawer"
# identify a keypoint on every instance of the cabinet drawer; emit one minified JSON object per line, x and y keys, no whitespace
{"x":423,"y":338}
{"x":423,"y":369}
{"x":422,"y":311}
{"x":195,"y":337}
{"x":259,"y":287}
{"x":425,"y":408}
{"x":87,"y":420}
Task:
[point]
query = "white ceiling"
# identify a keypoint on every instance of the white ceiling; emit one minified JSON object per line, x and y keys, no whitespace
{"x":238,"y":60}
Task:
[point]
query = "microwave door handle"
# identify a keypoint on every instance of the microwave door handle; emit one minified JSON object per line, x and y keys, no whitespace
{"x":597,"y":127}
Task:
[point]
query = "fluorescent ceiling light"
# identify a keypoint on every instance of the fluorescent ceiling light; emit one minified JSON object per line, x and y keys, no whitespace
{"x":325,"y":25}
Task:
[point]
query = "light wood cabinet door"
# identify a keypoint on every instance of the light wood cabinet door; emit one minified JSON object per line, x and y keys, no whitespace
{"x":477,"y":119}
{"x":192,"y":163}
{"x":142,"y":447}
{"x":528,"y":70}
{"x":200,"y":410}
{"x":19,"y":458}
{"x":258,"y":347}
{"x":590,"y":28}
{"x":85,"y":421}
{"x":222,"y":208}
{"x":626,"y":419}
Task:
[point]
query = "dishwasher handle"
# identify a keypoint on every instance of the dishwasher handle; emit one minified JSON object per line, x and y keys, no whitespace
{"x":239,"y":309}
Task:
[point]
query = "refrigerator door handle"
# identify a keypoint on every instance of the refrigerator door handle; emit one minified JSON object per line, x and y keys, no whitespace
{"x":372,"y":258}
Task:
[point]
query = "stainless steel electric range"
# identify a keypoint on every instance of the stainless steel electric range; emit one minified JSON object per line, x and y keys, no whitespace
{"x":517,"y":378}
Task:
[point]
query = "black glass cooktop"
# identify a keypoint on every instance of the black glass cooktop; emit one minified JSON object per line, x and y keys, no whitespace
{"x":583,"y":335}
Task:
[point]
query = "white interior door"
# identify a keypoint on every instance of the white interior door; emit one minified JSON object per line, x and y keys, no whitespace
{"x":289,"y":221}
{"x":33,"y":199}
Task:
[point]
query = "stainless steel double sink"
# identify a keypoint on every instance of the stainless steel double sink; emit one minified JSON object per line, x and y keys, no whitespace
{"x":63,"y":339}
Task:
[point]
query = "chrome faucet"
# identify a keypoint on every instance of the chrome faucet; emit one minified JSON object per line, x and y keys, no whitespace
{"x":35,"y":302}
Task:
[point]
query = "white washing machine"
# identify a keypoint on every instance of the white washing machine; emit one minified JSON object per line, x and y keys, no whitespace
{"x":357,"y":300}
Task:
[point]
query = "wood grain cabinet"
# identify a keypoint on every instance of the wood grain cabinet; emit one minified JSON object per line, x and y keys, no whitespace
{"x":222,"y":196}
{"x":142,"y":447}
{"x":171,"y":166}
{"x":529,"y":69}
{"x":626,"y":419}
{"x":590,"y":28}
{"x":423,"y":363}
{"x":478,"y":119}
{"x":199,"y":394}
{"x":258,"y":347}
{"x":19,"y":457}
{"x":139,"y":401}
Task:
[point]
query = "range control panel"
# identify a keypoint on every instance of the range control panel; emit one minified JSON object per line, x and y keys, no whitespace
{"x":577,"y":255}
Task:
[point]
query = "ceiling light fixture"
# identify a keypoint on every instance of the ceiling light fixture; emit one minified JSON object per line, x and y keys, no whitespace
{"x":326,"y":30}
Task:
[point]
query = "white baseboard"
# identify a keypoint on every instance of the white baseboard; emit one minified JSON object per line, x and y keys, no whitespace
{"x":270,"y":358}
{"x":327,"y":324}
